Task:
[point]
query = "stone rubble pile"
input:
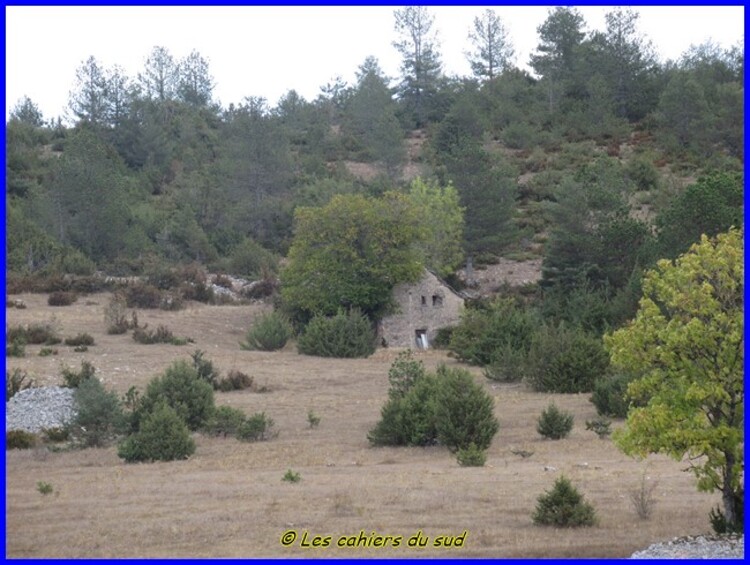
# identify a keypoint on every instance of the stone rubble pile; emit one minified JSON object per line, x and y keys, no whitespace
{"x":36,"y":409}
{"x":696,"y":547}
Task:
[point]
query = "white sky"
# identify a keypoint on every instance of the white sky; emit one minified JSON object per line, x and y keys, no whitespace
{"x":266,"y":51}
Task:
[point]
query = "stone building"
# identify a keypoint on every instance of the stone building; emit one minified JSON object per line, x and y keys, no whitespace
{"x":421,"y":309}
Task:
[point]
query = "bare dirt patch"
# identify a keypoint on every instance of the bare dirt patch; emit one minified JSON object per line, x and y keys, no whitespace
{"x":228,"y":500}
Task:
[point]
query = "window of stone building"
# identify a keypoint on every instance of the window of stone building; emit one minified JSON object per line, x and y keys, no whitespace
{"x":424,"y":301}
{"x":437,"y":300}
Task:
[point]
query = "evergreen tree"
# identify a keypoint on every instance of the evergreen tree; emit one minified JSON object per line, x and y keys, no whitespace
{"x":420,"y":65}
{"x":493,"y":50}
{"x":561,"y":35}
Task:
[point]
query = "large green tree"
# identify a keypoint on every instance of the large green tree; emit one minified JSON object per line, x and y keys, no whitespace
{"x":686,"y":342}
{"x":349,"y":254}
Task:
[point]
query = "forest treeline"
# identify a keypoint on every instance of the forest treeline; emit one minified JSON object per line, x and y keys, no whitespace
{"x":585,"y":162}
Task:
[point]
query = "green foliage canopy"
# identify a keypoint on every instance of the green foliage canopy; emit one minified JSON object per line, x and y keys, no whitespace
{"x":349,"y":254}
{"x":687,"y":343}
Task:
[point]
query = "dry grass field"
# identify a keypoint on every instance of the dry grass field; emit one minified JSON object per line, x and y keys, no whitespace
{"x":228,"y":500}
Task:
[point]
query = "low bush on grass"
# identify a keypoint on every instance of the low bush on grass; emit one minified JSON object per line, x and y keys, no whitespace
{"x":471,"y":456}
{"x":225,"y":421}
{"x":565,"y":360}
{"x":16,"y":381}
{"x":16,"y":348}
{"x":80,"y":339}
{"x":205,"y":368}
{"x":235,"y":380}
{"x":180,"y":388}
{"x":345,"y":335}
{"x":162,"y":436}
{"x":609,"y":395}
{"x":291,"y":477}
{"x":563,"y":507}
{"x":20,"y":439}
{"x":62,"y":298}
{"x":116,"y":318}
{"x":446,"y":407}
{"x":73,"y":379}
{"x":142,"y":295}
{"x":162,"y":334}
{"x":99,"y":418}
{"x":270,"y":332}
{"x":554,"y":423}
{"x":33,"y":334}
{"x":257,"y":427}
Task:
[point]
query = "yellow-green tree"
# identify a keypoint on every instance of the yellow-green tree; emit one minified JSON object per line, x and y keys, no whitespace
{"x":686,"y":342}
{"x":349,"y":254}
{"x":441,"y":218}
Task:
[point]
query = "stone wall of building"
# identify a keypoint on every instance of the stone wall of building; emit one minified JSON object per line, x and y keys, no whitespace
{"x":422,"y":309}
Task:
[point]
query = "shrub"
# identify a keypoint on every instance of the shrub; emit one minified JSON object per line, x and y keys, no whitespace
{"x":16,"y":348}
{"x":464,"y":411}
{"x":643,"y":499}
{"x":408,"y":419}
{"x":600,"y":426}
{"x":345,"y":335}
{"x":565,"y":360}
{"x":508,"y":364}
{"x":313,"y":419}
{"x":563,"y":507}
{"x":609,"y":395}
{"x":404,"y":372}
{"x":162,"y":436}
{"x":443,"y":336}
{"x":162,"y":334}
{"x":73,"y":379}
{"x":80,"y":339}
{"x":142,"y":295}
{"x":170,"y":301}
{"x":642,"y":172}
{"x":554,"y":423}
{"x":35,"y":334}
{"x":180,"y":388}
{"x":19,"y":439}
{"x":56,"y":435}
{"x":44,"y":487}
{"x":719,"y":522}
{"x":447,"y":407}
{"x":488,"y":328}
{"x":16,"y":381}
{"x":115,"y":316}
{"x":257,"y":427}
{"x":225,"y":421}
{"x":99,"y":418}
{"x":291,"y":476}
{"x":471,"y":456}
{"x":47,"y":351}
{"x":235,"y":380}
{"x":62,"y":298}
{"x":205,"y":369}
{"x":270,"y":332}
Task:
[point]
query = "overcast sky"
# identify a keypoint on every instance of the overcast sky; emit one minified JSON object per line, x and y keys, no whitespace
{"x":266,"y":51}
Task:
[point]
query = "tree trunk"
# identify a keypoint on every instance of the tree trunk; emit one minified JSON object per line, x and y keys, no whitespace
{"x":730,"y":498}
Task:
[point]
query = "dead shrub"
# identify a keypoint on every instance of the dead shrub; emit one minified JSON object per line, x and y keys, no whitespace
{"x":142,"y":295}
{"x":235,"y":380}
{"x":643,"y":499}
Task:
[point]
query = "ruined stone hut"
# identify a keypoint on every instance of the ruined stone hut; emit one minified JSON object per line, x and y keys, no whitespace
{"x":421,"y":309}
